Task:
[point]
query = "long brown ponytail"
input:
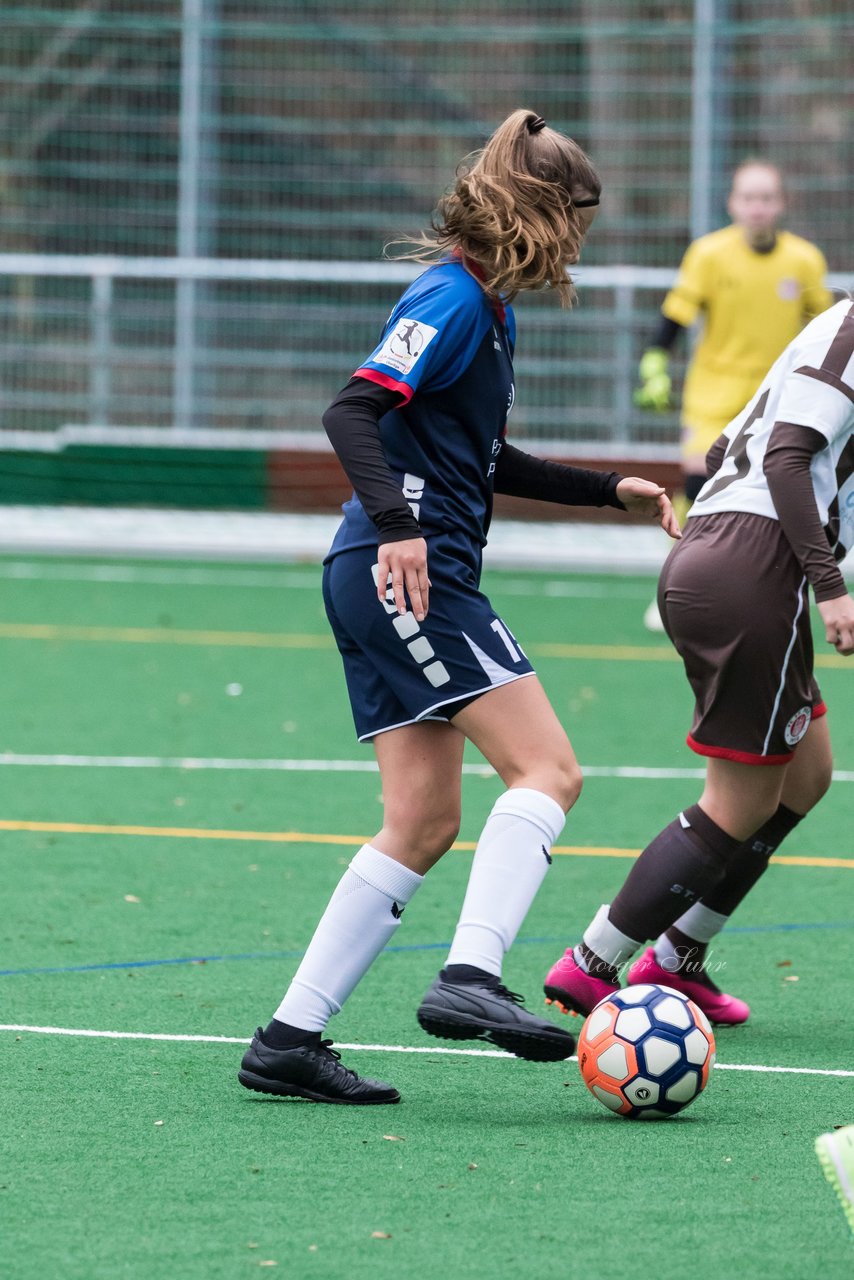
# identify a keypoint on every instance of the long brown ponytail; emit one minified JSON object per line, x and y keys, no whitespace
{"x":511,"y":211}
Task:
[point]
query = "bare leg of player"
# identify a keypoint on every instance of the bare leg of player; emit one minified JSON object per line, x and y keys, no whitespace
{"x":420,"y":766}
{"x":517,"y":730}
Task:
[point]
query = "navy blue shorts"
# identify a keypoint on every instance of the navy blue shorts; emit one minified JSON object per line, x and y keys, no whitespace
{"x":399,"y":670}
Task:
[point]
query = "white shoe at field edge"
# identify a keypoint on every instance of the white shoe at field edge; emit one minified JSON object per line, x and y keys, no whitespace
{"x":836,"y":1153}
{"x":652,"y":618}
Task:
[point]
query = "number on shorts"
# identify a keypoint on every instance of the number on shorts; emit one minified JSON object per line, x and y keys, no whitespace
{"x":499,"y":628}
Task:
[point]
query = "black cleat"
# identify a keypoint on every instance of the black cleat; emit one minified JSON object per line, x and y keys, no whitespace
{"x":312,"y":1070}
{"x":486,"y":1010}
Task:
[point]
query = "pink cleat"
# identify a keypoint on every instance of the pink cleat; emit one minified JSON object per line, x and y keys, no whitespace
{"x":727,"y":1011}
{"x":573,"y":990}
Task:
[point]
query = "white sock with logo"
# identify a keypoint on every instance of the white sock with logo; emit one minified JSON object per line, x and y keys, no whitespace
{"x":362,"y":916}
{"x":510,"y":863}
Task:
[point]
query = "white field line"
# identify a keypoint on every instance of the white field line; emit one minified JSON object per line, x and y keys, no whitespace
{"x":184,"y":1039}
{"x":190,"y":763}
{"x":377,"y":1048}
{"x":275,"y":765}
{"x":534,"y":585}
{"x":51,"y":571}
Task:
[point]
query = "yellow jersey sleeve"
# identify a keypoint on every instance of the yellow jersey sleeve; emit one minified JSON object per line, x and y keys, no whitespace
{"x":690,"y":292}
{"x":816,"y":296}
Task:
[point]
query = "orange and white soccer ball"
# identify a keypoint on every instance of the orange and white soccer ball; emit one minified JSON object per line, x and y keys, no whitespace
{"x":646,"y":1052}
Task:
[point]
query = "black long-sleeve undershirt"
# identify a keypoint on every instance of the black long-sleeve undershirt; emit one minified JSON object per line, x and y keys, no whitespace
{"x":521,"y":475}
{"x":352,"y":424}
{"x":666,"y":334}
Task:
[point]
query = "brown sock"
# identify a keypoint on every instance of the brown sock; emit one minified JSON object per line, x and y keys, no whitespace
{"x":747,"y":865}
{"x":681,"y":865}
{"x":750,"y":862}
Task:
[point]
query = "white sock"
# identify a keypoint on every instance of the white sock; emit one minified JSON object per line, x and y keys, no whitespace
{"x":606,"y":942}
{"x":363,"y":914}
{"x":699,"y":923}
{"x":510,"y":863}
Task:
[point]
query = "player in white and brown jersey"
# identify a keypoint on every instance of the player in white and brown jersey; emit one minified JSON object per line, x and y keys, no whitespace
{"x":774,"y":518}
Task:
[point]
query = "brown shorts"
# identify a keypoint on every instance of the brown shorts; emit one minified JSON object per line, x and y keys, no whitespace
{"x":733,"y":600}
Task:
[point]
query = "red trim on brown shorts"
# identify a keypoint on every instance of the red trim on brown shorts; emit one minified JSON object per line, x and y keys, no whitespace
{"x":819,"y":710}
{"x":741,"y":757}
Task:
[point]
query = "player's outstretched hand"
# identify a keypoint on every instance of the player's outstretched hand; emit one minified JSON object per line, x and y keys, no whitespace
{"x":404,"y":566}
{"x":838,"y":618}
{"x":646,"y":498}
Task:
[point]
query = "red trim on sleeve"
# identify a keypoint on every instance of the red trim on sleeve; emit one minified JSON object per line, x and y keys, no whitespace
{"x":819,"y":710}
{"x":383,"y":380}
{"x":740,"y":757}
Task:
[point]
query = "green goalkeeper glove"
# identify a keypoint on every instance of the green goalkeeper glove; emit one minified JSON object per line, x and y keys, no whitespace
{"x":654,"y":391}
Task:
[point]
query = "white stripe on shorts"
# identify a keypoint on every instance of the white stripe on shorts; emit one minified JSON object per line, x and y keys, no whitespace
{"x":781,"y":685}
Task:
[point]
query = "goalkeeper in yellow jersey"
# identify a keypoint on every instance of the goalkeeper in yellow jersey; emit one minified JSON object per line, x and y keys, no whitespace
{"x":754,"y":286}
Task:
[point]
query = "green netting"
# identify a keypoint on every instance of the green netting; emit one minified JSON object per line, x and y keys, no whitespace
{"x":270,"y":355}
{"x":321,"y":131}
{"x":293,"y":131}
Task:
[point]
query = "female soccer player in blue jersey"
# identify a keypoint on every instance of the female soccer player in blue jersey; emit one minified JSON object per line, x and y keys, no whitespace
{"x":420,"y":430}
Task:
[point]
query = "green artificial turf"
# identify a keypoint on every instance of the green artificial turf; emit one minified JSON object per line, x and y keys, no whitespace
{"x":490,"y":1166}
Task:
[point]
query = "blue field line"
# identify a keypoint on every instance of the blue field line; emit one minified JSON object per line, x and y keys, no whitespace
{"x":790,"y":928}
{"x":245,"y":955}
{"x":417,"y":946}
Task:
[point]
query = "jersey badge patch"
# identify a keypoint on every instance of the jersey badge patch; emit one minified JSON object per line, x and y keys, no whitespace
{"x":798,"y":725}
{"x":405,"y":345}
{"x":788,"y":289}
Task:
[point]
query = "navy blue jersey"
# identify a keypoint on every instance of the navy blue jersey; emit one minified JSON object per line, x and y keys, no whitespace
{"x":448,"y":350}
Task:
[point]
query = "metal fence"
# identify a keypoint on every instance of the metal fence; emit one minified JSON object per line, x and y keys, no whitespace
{"x":123,"y":342}
{"x":262,"y":129}
{"x":181,"y":135}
